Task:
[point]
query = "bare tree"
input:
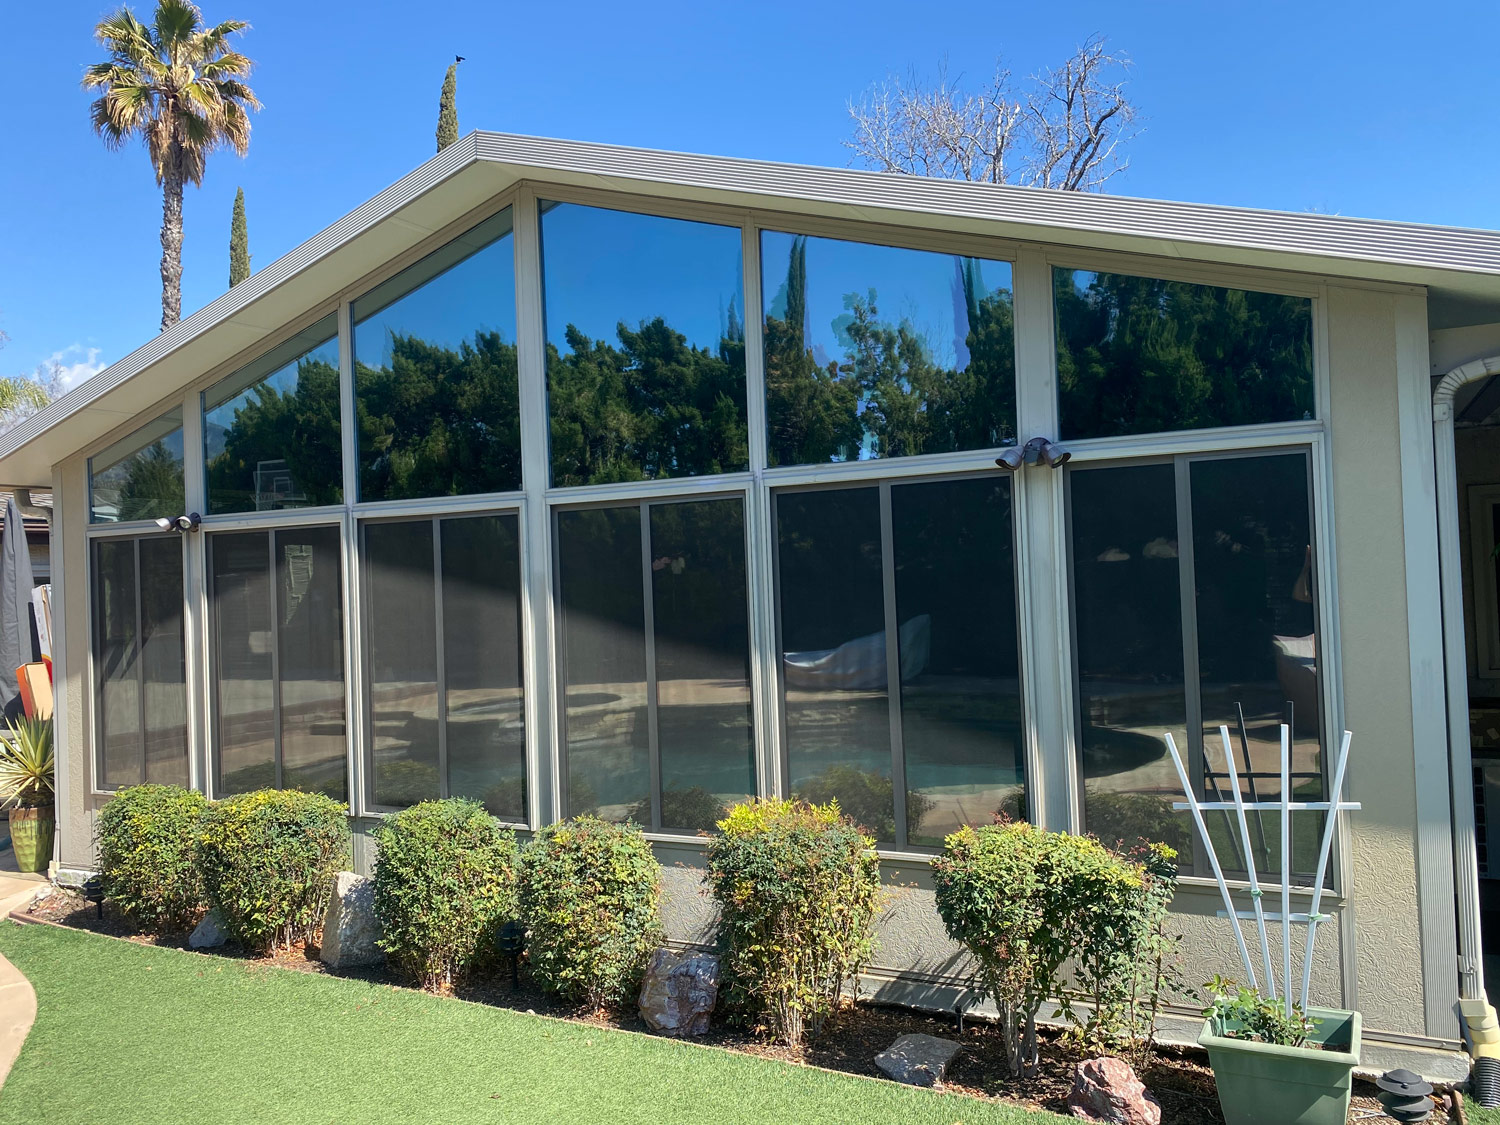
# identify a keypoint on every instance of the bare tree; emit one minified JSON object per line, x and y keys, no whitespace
{"x":1063,"y":129}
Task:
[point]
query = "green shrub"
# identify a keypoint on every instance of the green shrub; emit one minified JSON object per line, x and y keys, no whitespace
{"x":797,"y":887}
{"x":268,"y":860}
{"x":146,"y":837}
{"x":1024,"y":901}
{"x":590,"y":899}
{"x":445,"y":882}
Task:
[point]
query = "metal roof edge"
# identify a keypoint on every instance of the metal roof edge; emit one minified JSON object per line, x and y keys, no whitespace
{"x":1308,"y":234}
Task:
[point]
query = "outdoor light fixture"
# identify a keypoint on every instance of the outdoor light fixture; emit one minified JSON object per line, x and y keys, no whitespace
{"x":512,"y":940}
{"x":1037,"y":450}
{"x":188,"y":522}
{"x":93,"y":891}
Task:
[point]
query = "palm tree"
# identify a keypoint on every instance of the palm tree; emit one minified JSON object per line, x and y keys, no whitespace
{"x":180,"y":87}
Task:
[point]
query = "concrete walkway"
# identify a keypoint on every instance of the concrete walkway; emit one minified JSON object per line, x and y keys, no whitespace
{"x":17,"y":998}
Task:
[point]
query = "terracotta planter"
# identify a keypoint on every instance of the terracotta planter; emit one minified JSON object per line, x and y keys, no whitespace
{"x":1259,"y":1082}
{"x":31,"y":835}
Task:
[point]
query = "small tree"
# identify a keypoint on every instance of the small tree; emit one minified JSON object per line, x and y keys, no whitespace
{"x":797,"y":887}
{"x":239,"y":242}
{"x":447,"y":127}
{"x":1063,"y":129}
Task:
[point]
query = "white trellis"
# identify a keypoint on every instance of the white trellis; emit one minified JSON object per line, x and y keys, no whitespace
{"x":1285,"y":806}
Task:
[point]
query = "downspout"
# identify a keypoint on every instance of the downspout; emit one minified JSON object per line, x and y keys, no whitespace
{"x":1455,"y":662}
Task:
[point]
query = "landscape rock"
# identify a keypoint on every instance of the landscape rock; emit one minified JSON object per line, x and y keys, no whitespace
{"x":209,"y":933}
{"x":918,"y":1060}
{"x":679,"y":991}
{"x":1106,"y":1089}
{"x":350,"y":928}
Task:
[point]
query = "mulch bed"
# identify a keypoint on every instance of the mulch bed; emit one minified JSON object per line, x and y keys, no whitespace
{"x":1180,"y":1078}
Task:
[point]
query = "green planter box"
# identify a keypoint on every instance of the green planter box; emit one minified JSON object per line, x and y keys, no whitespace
{"x":31,"y":832}
{"x":1259,"y":1082}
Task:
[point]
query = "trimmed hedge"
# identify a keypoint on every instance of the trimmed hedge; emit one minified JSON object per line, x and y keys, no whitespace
{"x":798,"y":886}
{"x":445,"y":882}
{"x":590,"y":899}
{"x":146,"y":837}
{"x":268,"y":861}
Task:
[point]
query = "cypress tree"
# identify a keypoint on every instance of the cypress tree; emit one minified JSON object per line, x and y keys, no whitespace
{"x":239,"y":242}
{"x":447,"y":129}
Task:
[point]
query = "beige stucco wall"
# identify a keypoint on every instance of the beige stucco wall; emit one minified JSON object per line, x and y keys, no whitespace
{"x":75,"y":848}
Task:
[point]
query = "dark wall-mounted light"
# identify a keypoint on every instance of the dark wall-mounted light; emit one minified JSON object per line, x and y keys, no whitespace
{"x":1036,"y":451}
{"x":185,"y":523}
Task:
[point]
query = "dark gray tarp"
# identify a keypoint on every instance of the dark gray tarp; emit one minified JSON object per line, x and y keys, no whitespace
{"x":17,"y":638}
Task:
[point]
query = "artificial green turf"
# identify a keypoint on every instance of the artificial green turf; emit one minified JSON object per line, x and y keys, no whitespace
{"x":130,"y":1034}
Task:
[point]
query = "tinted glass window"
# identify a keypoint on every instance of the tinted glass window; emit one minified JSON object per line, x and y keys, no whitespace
{"x":701,"y":638}
{"x":271,"y":430}
{"x":833,"y":652}
{"x":435,"y":373}
{"x":139,"y":661}
{"x":874,"y":351}
{"x":961,"y":733}
{"x":140,"y":476}
{"x":645,"y":345}
{"x":602,"y":633}
{"x":484,"y":720}
{"x":1139,"y":355}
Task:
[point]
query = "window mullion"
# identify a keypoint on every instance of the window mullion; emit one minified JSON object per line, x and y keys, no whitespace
{"x":1191,"y":685}
{"x":648,"y":615}
{"x":440,"y":657}
{"x":893,"y":663}
{"x":273,"y":606}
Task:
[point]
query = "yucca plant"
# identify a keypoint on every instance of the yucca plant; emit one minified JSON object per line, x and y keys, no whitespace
{"x":26,"y":766}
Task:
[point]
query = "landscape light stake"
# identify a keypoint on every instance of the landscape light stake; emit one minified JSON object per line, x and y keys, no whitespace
{"x":1285,"y":806}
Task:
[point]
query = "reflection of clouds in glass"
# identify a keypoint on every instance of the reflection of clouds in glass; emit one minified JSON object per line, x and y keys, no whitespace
{"x":1113,"y":555}
{"x":1160,"y":548}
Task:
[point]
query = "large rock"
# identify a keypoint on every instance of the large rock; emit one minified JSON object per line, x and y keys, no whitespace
{"x":679,"y":991}
{"x":1106,"y":1089}
{"x":918,"y":1060}
{"x":209,"y":933}
{"x":350,"y":928}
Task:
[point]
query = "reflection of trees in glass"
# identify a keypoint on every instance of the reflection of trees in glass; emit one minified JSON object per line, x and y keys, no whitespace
{"x":1140,"y":355}
{"x":299,"y":426}
{"x":438,"y":421}
{"x":653,"y":406}
{"x":887,"y":396}
{"x":868,"y":798}
{"x":153,"y":484}
{"x":694,"y":809}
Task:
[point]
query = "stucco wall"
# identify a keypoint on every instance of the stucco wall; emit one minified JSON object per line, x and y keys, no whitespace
{"x":76,"y":812}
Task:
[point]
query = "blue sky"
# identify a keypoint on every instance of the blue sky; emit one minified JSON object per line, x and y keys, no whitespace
{"x":1373,"y":109}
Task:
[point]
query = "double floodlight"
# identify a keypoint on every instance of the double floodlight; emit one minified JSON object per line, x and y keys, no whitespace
{"x":1036,"y":451}
{"x":185,"y":523}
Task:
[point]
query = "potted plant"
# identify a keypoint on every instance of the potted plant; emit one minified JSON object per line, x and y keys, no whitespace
{"x":1275,"y":1065}
{"x":26,"y":788}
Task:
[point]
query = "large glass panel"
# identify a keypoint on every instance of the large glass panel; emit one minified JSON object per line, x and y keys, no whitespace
{"x":645,"y":345}
{"x":116,"y":663}
{"x":1257,"y":641}
{"x":1140,"y":355}
{"x":140,"y":476}
{"x":875,"y":351}
{"x":401,"y":627}
{"x":271,"y":430}
{"x":244,"y":681}
{"x":702,"y":644}
{"x":831,"y":607}
{"x":310,"y":659}
{"x":486,"y":732}
{"x":602,"y":634}
{"x":961,"y":731}
{"x":1127,"y":612}
{"x":163,"y":660}
{"x":435,"y":373}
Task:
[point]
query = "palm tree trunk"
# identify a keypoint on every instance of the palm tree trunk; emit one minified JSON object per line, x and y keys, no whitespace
{"x":171,"y":240}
